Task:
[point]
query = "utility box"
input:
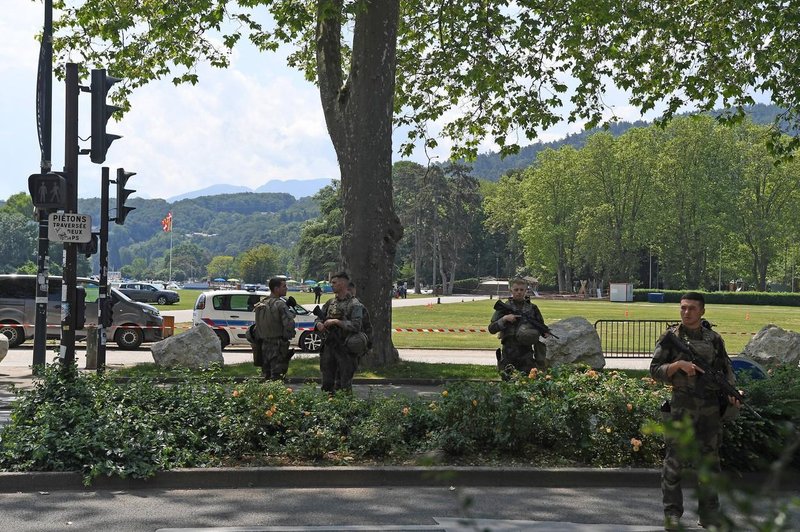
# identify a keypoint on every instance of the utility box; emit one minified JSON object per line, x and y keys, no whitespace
{"x":620,"y":292}
{"x":655,"y":297}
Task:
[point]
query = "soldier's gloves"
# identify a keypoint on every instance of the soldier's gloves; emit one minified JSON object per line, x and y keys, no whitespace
{"x":291,"y":301}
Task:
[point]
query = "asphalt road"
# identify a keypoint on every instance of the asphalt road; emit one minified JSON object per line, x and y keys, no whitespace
{"x":402,"y":508}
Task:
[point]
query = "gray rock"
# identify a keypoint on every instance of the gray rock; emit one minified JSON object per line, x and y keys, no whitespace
{"x":773,"y":346}
{"x":577,"y":343}
{"x":198,"y":347}
{"x":3,"y":346}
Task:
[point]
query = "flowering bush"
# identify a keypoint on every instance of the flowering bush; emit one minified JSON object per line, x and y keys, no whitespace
{"x":568,"y":415}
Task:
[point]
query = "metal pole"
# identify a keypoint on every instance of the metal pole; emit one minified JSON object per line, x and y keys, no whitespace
{"x":44,"y":120}
{"x":68,"y":296}
{"x":103,"y":302}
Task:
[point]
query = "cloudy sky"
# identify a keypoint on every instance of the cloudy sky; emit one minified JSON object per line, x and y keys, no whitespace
{"x":253,"y":122}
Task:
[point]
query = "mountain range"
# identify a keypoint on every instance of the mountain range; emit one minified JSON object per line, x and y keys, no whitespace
{"x":299,"y":188}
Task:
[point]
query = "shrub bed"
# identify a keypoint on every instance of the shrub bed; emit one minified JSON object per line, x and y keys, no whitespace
{"x":569,"y":415}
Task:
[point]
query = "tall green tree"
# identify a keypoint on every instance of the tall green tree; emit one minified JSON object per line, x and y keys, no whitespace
{"x":20,"y":203}
{"x":319,"y":247}
{"x":552,"y":198}
{"x":223,"y":266}
{"x":501,"y":64}
{"x":765,"y":199}
{"x":258,"y":264}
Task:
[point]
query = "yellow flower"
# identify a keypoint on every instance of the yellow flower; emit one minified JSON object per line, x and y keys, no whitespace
{"x":592,"y":374}
{"x":474,"y":402}
{"x":444,"y":393}
{"x":270,"y":397}
{"x":289,"y":390}
{"x":306,"y":413}
{"x":547,"y":377}
{"x":534,"y":372}
{"x":268,"y":413}
{"x":636,"y":444}
{"x":629,"y":407}
{"x":405,"y":410}
{"x":608,"y":430}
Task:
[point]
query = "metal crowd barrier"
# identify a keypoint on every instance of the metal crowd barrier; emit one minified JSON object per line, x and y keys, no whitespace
{"x":630,"y":338}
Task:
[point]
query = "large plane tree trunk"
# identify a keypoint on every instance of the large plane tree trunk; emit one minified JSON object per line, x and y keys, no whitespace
{"x":358,"y":111}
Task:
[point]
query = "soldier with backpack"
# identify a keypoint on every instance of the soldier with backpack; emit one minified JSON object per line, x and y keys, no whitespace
{"x":274,"y":329}
{"x":340,"y":322}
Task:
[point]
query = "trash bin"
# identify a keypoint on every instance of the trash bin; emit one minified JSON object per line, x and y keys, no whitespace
{"x":655,"y":297}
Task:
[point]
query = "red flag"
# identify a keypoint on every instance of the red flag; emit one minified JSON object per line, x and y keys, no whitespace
{"x":166,"y":223}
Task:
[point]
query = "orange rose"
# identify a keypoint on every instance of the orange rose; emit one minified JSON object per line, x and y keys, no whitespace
{"x":405,"y":410}
{"x":236,"y":393}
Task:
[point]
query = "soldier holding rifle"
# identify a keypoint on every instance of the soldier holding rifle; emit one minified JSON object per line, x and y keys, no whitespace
{"x":520,"y":326}
{"x":677,"y":360}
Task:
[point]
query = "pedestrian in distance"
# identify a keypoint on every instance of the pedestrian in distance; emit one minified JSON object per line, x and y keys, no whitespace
{"x":695,"y":399}
{"x":317,"y":294}
{"x":340,"y":323}
{"x":274,"y":328}
{"x":516,"y":325}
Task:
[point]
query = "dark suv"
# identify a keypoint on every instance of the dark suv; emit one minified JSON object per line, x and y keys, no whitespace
{"x":133,"y":323}
{"x":148,"y":293}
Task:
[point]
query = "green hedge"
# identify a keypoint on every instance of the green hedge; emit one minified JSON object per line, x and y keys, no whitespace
{"x":786,"y":299}
{"x":567,"y":416}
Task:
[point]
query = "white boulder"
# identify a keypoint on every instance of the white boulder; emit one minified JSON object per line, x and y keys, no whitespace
{"x":773,"y":346}
{"x":577,"y":343}
{"x":198,"y":347}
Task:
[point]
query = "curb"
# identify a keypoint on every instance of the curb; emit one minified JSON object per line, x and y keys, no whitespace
{"x":350,"y":477}
{"x":338,"y":477}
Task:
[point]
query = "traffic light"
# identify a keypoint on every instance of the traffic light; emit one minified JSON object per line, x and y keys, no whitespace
{"x":122,"y":195}
{"x":101,"y":112}
{"x":89,"y":248}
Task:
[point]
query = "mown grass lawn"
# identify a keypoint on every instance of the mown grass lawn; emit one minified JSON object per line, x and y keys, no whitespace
{"x":736,"y":323}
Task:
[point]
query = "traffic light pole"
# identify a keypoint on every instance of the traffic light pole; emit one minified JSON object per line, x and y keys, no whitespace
{"x":71,"y":150}
{"x":44,"y":101}
{"x":103,"y":302}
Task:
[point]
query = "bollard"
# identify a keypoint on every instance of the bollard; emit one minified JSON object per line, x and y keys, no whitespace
{"x":438,"y":300}
{"x":91,"y":347}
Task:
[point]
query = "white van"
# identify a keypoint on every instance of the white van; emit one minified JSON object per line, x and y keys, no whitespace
{"x":230,"y":313}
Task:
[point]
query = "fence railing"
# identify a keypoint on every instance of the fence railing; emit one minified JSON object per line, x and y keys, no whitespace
{"x":629,"y":338}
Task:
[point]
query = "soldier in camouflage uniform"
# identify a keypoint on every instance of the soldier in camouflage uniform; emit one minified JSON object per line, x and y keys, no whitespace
{"x":516,"y":353}
{"x":343,"y":316}
{"x":696,"y":399}
{"x":274,"y":329}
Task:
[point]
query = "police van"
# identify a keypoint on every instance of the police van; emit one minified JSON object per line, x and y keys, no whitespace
{"x":133,"y":323}
{"x":231,"y":312}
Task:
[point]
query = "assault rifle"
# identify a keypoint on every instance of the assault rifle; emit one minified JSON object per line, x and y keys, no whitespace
{"x":710,"y":372}
{"x":505,"y":309}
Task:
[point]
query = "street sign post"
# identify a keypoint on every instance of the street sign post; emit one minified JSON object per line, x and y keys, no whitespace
{"x":69,"y":227}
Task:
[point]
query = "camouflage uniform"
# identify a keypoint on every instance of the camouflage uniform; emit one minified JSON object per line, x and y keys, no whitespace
{"x":274,"y":328}
{"x":700,"y":400}
{"x":336,"y":363}
{"x":513,"y":353}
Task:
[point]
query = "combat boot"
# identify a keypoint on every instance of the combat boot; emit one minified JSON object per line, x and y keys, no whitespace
{"x":672,"y":522}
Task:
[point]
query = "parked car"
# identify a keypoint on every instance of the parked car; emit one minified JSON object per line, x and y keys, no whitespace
{"x":133,"y":323}
{"x":230,"y":313}
{"x":148,"y":293}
